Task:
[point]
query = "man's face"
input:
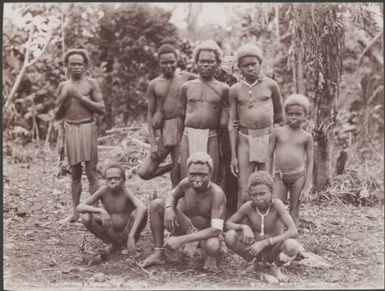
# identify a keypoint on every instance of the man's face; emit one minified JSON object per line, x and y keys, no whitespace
{"x":167,"y":64}
{"x":207,"y":63}
{"x":295,"y":116}
{"x":250,"y":67}
{"x":114,"y":179}
{"x":76,"y":65}
{"x":199,"y":176}
{"x":260,"y":195}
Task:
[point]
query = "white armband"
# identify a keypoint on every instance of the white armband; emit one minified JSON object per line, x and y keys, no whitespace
{"x":217,"y":223}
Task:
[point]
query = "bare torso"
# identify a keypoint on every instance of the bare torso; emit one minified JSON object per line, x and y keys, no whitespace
{"x":198,"y":206}
{"x":204,"y":104}
{"x":273,"y":224}
{"x":290,"y":148}
{"x":255,"y":110}
{"x":119,"y":207}
{"x":75,"y":109}
{"x":161,"y":87}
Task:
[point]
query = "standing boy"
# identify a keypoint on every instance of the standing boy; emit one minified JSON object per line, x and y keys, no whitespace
{"x":268,"y":236}
{"x":122,"y":216}
{"x":163,"y":114}
{"x":79,"y":99}
{"x":293,"y":150}
{"x":257,"y":103}
{"x":199,"y":217}
{"x":202,"y":104}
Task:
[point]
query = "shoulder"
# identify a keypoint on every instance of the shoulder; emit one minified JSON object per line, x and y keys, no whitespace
{"x":234,"y":88}
{"x":183,"y":185}
{"x":190,"y":83}
{"x":154,"y":81}
{"x":278,"y":205}
{"x":245,"y":207}
{"x":307,"y":134}
{"x":187,"y":75}
{"x":279,"y":130}
{"x":270,"y":82}
{"x":92,"y":81}
{"x":102,"y":191}
{"x":217,"y":190}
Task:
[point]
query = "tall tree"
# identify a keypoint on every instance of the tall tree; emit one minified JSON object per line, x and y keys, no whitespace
{"x":319,"y":29}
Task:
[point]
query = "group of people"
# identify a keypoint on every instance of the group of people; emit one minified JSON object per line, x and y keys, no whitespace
{"x":271,"y":156}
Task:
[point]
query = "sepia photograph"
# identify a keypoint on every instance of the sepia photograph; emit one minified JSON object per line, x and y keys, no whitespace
{"x":193,"y":145}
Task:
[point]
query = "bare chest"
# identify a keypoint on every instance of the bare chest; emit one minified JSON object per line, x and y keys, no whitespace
{"x":258,"y":95}
{"x":202,"y":93}
{"x":117,"y":204}
{"x":292,"y":139}
{"x":269,"y":224}
{"x":197,"y":204}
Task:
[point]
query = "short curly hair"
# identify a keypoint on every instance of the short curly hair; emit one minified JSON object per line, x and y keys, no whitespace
{"x":82,"y":52}
{"x":248,"y":50}
{"x":208,"y":45}
{"x":165,"y":49}
{"x":297,"y":99}
{"x":115,"y":165}
{"x":260,"y":178}
{"x":200,"y":158}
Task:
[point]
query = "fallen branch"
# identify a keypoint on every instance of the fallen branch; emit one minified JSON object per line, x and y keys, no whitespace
{"x":141,"y":143}
{"x":121,"y":129}
{"x":136,"y":263}
{"x":106,"y":147}
{"x":369,"y":47}
{"x":105,"y":137}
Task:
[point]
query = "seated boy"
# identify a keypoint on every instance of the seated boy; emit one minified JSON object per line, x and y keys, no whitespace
{"x":293,"y":150}
{"x":122,"y":217}
{"x":268,"y":235}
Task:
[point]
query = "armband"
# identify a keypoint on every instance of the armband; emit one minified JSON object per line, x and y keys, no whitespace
{"x":217,"y":223}
{"x":168,"y":206}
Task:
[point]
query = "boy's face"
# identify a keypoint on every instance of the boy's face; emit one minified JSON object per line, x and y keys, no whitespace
{"x":167,"y":64}
{"x":207,"y":63}
{"x":114,"y":179}
{"x":199,"y":176}
{"x":295,"y":115}
{"x":260,"y":195}
{"x":250,"y":67}
{"x":76,"y":65}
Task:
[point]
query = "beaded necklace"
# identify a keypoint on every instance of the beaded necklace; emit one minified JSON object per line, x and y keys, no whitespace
{"x":263,"y":218}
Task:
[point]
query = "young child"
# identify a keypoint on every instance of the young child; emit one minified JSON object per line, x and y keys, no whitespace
{"x":122,"y":216}
{"x":256,"y":103}
{"x":293,"y":149}
{"x":268,"y":235}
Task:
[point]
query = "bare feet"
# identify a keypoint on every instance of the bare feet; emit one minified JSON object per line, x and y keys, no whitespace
{"x":157,"y":258}
{"x":111,"y":248}
{"x":210,"y":264}
{"x":276,"y":272}
{"x":71,"y":218}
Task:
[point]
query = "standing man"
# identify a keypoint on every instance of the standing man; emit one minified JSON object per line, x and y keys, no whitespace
{"x":79,"y":99}
{"x":199,"y":217}
{"x":164,"y":115}
{"x":257,"y":103}
{"x":202,"y":103}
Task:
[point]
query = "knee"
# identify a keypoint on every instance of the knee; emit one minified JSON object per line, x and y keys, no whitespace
{"x":143,"y":174}
{"x":156,"y":205}
{"x":85,"y":218}
{"x":231,"y":237}
{"x":212,"y":246}
{"x":290,"y":247}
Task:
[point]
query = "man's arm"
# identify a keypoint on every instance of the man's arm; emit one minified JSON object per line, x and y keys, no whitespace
{"x":150,"y":112}
{"x":217,"y":216}
{"x":309,"y":147}
{"x":95,"y":103}
{"x":291,"y":230}
{"x":183,"y":102}
{"x":277,"y":102}
{"x":272,"y":145}
{"x":233,"y":132}
{"x":141,"y":211}
{"x":234,"y":221}
{"x":224,"y":121}
{"x":171,"y":202}
{"x":85,"y":205}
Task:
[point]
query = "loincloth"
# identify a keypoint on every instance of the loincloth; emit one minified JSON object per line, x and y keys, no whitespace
{"x":290,"y":177}
{"x":258,"y":140}
{"x":171,"y":132}
{"x":79,"y":139}
{"x":198,"y":138}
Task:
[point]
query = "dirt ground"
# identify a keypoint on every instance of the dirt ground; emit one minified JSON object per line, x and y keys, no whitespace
{"x":41,"y":253}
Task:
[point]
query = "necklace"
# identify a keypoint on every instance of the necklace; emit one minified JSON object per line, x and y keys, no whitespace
{"x":263,"y":218}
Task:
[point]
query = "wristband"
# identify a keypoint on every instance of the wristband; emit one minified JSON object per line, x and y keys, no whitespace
{"x":168,"y":206}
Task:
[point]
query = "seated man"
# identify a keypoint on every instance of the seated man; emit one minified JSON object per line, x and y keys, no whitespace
{"x":123,"y":216}
{"x":264,"y":238}
{"x":198,"y":218}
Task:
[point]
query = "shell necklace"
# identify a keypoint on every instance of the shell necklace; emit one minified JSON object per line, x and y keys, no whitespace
{"x":263,"y":218}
